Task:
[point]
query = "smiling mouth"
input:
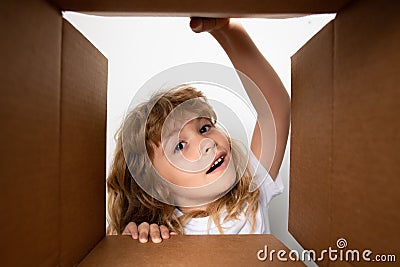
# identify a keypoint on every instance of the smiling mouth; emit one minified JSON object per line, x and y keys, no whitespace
{"x":217,"y":163}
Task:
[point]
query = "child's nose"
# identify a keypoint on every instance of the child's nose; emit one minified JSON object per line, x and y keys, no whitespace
{"x":206,"y":146}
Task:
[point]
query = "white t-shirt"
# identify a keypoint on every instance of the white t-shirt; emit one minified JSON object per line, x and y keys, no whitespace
{"x":268,"y":189}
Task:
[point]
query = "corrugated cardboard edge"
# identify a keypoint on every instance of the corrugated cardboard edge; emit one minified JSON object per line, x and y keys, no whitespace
{"x":83,"y":145}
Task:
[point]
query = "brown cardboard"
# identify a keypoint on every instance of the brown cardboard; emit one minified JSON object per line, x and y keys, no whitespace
{"x":311,"y":141}
{"x":345,"y":132}
{"x":53,"y":140}
{"x":83,"y":146}
{"x":29,"y":115}
{"x":219,"y":250}
{"x":366,"y":128}
{"x":345,"y":136}
{"x":210,"y":8}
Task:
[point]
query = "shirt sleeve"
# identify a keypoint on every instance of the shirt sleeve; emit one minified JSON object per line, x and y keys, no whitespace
{"x":262,"y":180}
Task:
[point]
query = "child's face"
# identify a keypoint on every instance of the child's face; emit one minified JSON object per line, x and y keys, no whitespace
{"x":194,"y":154}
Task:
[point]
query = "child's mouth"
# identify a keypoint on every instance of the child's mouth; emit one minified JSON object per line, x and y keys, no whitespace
{"x":217,"y":163}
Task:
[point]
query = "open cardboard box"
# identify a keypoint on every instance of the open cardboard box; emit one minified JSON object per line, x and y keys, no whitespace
{"x":344,"y":144}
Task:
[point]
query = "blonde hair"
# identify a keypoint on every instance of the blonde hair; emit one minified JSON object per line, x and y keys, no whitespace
{"x":127,"y":201}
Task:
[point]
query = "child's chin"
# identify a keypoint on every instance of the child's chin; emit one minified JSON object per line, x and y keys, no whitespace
{"x":217,"y":187}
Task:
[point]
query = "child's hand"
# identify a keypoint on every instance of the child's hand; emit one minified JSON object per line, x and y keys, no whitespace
{"x":208,"y":24}
{"x":144,"y":230}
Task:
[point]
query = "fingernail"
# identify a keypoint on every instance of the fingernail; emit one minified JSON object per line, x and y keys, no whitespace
{"x":199,"y":27}
{"x":165,"y":235}
{"x":135,"y":235}
{"x":142,"y":239}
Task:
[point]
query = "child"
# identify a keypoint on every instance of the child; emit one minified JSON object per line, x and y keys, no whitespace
{"x":214,"y":197}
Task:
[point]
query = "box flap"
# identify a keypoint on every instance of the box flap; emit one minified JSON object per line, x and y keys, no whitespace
{"x":311,"y":141}
{"x":83,"y":145}
{"x":345,"y":143}
{"x":29,"y":114}
{"x":210,"y":8}
{"x":366,"y":134}
{"x":211,"y":250}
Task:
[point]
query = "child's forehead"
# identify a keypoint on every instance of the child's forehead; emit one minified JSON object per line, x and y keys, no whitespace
{"x":188,"y":112}
{"x":176,"y":123}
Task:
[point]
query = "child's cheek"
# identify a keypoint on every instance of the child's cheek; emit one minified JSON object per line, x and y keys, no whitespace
{"x":186,"y":162}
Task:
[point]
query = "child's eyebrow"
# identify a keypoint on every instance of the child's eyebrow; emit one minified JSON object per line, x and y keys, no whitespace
{"x":172,"y":133}
{"x":204,"y":119}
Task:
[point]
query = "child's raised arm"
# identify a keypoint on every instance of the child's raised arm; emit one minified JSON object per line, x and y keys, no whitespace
{"x":247,"y":58}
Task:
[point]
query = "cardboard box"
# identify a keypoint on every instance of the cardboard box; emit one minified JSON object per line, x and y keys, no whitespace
{"x":344,"y":146}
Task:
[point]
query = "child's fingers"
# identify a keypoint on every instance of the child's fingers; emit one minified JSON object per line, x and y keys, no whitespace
{"x":196,"y":24}
{"x":164,"y":232}
{"x":131,"y":229}
{"x":143,"y":232}
{"x":207,"y":24}
{"x":155,"y":233}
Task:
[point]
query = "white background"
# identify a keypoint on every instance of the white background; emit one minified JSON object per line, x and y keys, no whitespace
{"x":138,"y":48}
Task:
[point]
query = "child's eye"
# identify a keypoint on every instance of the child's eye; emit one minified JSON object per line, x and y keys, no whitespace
{"x":180,"y":146}
{"x":205,"y":128}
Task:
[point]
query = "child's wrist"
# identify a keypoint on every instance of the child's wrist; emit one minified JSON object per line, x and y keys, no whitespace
{"x":227,"y":29}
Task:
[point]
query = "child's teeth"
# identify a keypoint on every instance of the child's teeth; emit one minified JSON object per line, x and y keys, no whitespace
{"x":217,"y":161}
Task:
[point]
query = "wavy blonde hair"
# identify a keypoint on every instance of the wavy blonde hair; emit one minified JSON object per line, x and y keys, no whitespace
{"x":127,"y":201}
